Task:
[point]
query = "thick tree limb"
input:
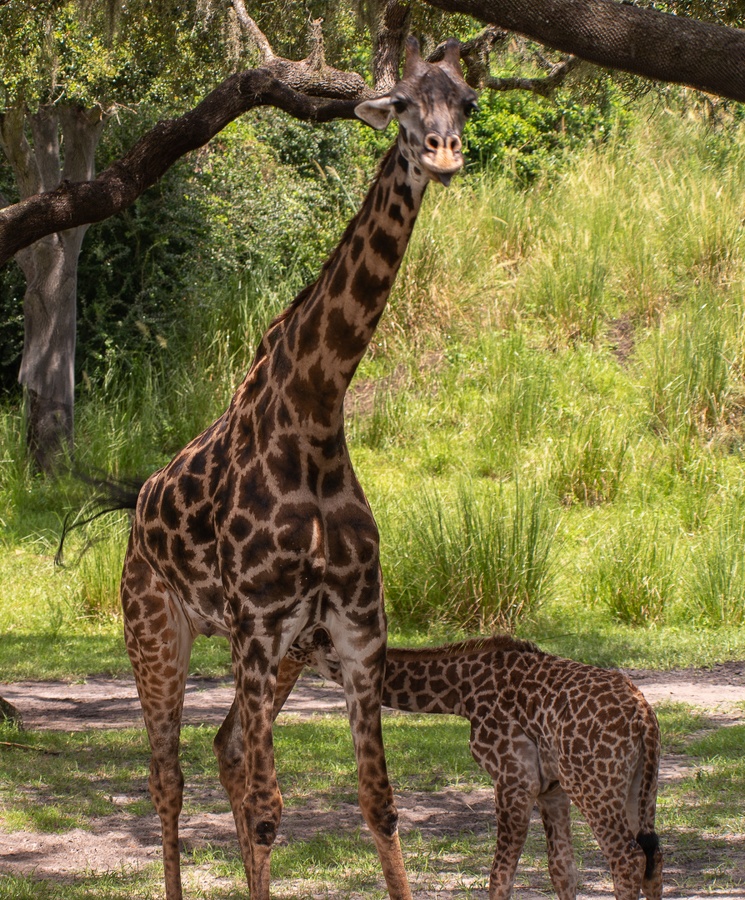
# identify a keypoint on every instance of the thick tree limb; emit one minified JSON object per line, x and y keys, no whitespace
{"x":543,"y":85}
{"x":116,"y":188}
{"x":310,"y":76}
{"x":621,"y":36}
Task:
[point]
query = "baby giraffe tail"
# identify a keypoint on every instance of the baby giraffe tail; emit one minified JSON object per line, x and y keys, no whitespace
{"x":647,"y":837}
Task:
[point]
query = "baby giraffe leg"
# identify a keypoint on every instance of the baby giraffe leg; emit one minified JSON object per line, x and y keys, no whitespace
{"x":554,"y":806}
{"x":514,"y":805}
{"x":626,"y":858}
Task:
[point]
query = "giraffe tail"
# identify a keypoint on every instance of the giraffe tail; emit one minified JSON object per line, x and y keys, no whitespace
{"x":647,"y":837}
{"x":111,"y":494}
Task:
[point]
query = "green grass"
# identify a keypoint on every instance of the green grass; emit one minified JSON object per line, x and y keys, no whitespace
{"x":100,"y":773}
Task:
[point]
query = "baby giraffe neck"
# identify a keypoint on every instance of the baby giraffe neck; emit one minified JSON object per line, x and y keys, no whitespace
{"x":427,"y":685}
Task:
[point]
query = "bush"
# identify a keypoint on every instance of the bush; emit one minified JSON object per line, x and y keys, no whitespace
{"x":530,"y":136}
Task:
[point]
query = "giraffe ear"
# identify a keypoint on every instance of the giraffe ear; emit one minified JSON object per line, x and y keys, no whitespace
{"x":377,"y":113}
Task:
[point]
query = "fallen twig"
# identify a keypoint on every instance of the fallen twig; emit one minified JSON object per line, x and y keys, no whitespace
{"x":14,"y":746}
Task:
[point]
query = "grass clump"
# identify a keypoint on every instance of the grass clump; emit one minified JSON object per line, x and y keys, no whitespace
{"x":635,"y":575}
{"x":588,"y":464}
{"x":717,"y":582}
{"x":482,"y":560}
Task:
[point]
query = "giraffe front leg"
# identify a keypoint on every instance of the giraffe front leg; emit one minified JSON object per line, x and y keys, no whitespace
{"x":257,"y":808}
{"x":228,"y":748}
{"x":555,"y":813}
{"x":514,"y":805}
{"x":362,"y":674}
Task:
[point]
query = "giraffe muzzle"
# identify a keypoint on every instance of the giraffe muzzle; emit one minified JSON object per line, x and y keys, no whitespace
{"x":442,"y":157}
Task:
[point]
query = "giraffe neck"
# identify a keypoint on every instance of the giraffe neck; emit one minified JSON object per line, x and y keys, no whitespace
{"x":317,"y":344}
{"x":416,"y":682}
{"x":446,"y":679}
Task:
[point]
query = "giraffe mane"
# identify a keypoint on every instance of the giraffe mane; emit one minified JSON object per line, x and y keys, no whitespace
{"x":471,"y":646}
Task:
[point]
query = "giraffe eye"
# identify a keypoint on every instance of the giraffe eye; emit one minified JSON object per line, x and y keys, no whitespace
{"x":470,"y":107}
{"x":399,"y":105}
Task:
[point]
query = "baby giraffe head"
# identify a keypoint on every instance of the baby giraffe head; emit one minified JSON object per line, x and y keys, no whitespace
{"x":431,"y":102}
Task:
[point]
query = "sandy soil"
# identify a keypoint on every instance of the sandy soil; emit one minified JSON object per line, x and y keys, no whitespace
{"x":123,"y":842}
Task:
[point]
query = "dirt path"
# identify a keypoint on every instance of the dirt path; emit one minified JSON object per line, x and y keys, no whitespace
{"x":125,"y":841}
{"x":112,"y":703}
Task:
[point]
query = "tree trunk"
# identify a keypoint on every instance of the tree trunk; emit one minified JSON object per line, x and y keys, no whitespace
{"x":48,"y":362}
{"x":9,"y":713}
{"x":51,"y":269}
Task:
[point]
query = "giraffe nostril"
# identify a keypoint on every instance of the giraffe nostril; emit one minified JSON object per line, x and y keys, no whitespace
{"x":433,"y":141}
{"x":454,"y":143}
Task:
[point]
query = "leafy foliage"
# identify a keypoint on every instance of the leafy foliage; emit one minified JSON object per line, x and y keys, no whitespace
{"x":530,"y":135}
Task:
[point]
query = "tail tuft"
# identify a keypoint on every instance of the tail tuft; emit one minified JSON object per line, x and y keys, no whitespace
{"x":650,"y":844}
{"x":112,"y":494}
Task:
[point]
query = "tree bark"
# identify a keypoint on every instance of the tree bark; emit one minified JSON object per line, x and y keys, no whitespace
{"x":50,"y":267}
{"x":622,"y":36}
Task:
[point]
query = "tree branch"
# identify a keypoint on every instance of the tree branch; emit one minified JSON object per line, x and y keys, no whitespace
{"x":475,"y":54}
{"x":116,"y":188}
{"x":544,"y":85}
{"x":310,"y":76}
{"x":622,"y":36}
{"x":253,"y":31}
{"x":390,"y":29}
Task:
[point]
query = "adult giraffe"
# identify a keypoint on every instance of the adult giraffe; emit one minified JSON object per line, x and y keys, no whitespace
{"x":259,"y":530}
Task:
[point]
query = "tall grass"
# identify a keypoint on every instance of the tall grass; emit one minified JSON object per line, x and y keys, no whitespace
{"x":481,"y":560}
{"x":689,"y":380}
{"x":517,"y":395}
{"x":716,"y":585}
{"x":635,"y":576}
{"x":100,"y":566}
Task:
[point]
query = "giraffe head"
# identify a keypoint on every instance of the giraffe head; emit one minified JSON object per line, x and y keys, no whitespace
{"x":431,"y":103}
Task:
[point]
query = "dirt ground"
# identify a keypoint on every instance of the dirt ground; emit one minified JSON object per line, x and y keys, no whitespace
{"x":124,"y":842}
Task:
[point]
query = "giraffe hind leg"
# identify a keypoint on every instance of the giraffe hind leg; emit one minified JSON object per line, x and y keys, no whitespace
{"x":555,"y":813}
{"x":627,"y":860}
{"x":231,"y":759}
{"x":652,"y":879}
{"x":159,"y":644}
{"x":245,"y":749}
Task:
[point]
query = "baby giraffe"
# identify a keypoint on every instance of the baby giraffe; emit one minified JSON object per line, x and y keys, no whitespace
{"x":548,"y":731}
